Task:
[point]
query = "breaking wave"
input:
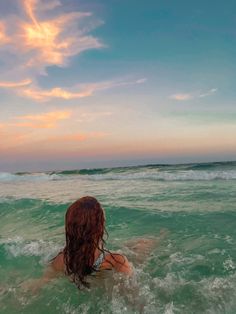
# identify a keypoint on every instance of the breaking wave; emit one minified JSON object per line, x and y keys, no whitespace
{"x":181,"y":172}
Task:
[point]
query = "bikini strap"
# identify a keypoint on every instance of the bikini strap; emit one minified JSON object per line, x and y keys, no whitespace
{"x":99,"y":261}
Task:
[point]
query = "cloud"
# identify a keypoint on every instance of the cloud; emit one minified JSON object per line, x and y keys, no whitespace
{"x":181,"y":97}
{"x":78,"y":91}
{"x":57,"y":92}
{"x":40,"y":35}
{"x":15,"y":135}
{"x":92,"y":116}
{"x":3,"y":37}
{"x":208,"y":93}
{"x":15,"y":84}
{"x":142,"y":80}
{"x":189,"y":96}
{"x":54,"y":41}
{"x":49,"y":5}
{"x":27,"y":89}
{"x":38,"y":39}
{"x":77,"y":137}
{"x":42,"y":121}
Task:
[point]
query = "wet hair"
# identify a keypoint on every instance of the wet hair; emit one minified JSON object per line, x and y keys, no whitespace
{"x":85,"y":229}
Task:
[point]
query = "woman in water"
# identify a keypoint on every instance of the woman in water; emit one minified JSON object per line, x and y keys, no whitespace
{"x":84,"y":251}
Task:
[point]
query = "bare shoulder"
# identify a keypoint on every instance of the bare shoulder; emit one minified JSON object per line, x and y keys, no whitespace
{"x":119,"y":262}
{"x":58,"y":262}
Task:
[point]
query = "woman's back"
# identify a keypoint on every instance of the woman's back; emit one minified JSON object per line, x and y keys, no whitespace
{"x":102,"y":261}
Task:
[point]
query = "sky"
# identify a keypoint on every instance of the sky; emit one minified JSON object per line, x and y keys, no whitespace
{"x":95,"y":83}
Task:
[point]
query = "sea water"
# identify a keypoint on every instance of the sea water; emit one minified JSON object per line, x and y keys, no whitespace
{"x":191,"y":270}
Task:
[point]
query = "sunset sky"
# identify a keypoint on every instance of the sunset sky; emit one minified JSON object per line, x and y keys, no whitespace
{"x":90,"y":83}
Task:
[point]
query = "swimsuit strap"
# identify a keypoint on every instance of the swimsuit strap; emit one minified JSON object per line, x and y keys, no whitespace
{"x":99,"y":261}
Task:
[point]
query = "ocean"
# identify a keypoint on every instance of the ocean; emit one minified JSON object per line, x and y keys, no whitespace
{"x":192,"y":269}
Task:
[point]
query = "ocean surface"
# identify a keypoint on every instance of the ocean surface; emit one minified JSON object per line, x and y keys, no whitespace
{"x":192,"y":269}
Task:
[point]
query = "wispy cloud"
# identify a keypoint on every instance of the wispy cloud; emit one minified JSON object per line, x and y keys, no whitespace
{"x":208,"y":93}
{"x":194,"y":95}
{"x":54,"y":41}
{"x":77,"y":137}
{"x":14,"y":133}
{"x":142,"y":80}
{"x":23,"y":142}
{"x":92,"y":116}
{"x":31,"y":91}
{"x":15,"y":84}
{"x":3,"y":37}
{"x":49,"y":5}
{"x":38,"y":39}
{"x":181,"y":96}
{"x":42,"y":121}
{"x":57,"y":92}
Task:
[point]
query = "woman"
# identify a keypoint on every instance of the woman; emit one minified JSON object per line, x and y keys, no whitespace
{"x":84,"y":252}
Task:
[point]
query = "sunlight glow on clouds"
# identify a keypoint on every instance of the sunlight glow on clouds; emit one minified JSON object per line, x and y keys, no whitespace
{"x":72,"y":93}
{"x":47,"y":120}
{"x":44,"y":95}
{"x":37,"y":39}
{"x":85,"y":90}
{"x":181,"y":96}
{"x":103,"y":104}
{"x":15,"y":84}
{"x":92,"y":116}
{"x":38,"y":42}
{"x":3,"y":37}
{"x":45,"y":133}
{"x":42,"y":121}
{"x":76,"y":137}
{"x":53,"y":41}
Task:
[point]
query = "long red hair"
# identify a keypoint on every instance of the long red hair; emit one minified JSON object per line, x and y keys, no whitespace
{"x":84,"y":228}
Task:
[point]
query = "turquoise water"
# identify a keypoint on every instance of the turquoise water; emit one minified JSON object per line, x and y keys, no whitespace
{"x":191,"y":270}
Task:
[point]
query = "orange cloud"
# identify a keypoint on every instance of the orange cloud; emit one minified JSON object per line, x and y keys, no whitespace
{"x":92,"y":116}
{"x":42,"y":121}
{"x":53,"y":41}
{"x":11,"y":140}
{"x":3,"y":37}
{"x":15,"y":84}
{"x":29,"y":6}
{"x":86,"y":90}
{"x":181,"y":96}
{"x":57,"y":92}
{"x":90,"y":135}
{"x":75,"y":137}
{"x":39,"y":140}
{"x":38,"y":40}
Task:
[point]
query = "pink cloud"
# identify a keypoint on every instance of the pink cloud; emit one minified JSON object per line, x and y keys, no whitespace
{"x":42,"y":121}
{"x":15,"y":84}
{"x":181,"y":97}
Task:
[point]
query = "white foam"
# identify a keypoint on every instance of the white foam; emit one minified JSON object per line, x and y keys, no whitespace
{"x":5,"y":176}
{"x":8,"y":177}
{"x":169,"y":308}
{"x":19,"y":247}
{"x":187,"y":175}
{"x":229,"y":264}
{"x":217,"y":293}
{"x":147,"y":174}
